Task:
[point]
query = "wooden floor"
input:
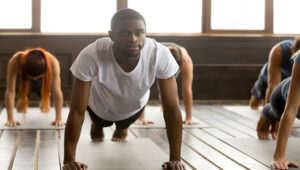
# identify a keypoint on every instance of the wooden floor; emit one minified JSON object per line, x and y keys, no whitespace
{"x":202,"y":148}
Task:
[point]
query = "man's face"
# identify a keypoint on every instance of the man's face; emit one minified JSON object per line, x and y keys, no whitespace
{"x":129,"y":37}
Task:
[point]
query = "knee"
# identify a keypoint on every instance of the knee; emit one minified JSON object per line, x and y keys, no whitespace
{"x":270,"y":114}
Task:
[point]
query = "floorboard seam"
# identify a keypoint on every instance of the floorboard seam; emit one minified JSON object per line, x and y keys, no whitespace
{"x":15,"y":150}
{"x":37,"y":149}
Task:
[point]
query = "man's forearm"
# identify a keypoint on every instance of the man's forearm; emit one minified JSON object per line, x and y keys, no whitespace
{"x":174,"y":132}
{"x":72,"y":134}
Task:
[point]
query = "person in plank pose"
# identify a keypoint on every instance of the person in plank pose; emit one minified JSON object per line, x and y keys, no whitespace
{"x":278,"y":68}
{"x":185,"y":63}
{"x":37,"y":69}
{"x":284,"y":107}
{"x":112,"y":82}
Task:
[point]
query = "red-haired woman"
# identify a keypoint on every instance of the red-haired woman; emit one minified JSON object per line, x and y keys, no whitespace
{"x":37,"y":69}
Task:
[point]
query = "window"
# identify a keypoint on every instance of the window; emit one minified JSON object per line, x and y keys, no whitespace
{"x":76,"y":15}
{"x":286,"y":18}
{"x":15,"y":14}
{"x":172,"y":16}
{"x":237,"y":14}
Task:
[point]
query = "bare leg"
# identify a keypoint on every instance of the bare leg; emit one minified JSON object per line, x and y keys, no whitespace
{"x":274,"y":129}
{"x":120,"y":135}
{"x":254,"y":103}
{"x":263,"y":128}
{"x":97,"y":134}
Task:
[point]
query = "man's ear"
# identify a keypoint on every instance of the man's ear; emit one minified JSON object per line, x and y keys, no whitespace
{"x":111,"y":35}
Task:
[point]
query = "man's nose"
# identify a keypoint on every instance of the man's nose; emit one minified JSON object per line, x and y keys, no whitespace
{"x":132,"y":36}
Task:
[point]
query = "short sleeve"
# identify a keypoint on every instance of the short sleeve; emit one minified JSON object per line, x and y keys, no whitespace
{"x":166,"y":65}
{"x":296,"y":58}
{"x":84,"y":67}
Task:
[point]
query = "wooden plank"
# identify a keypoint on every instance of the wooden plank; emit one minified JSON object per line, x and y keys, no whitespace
{"x":246,"y":111}
{"x":8,"y":145}
{"x":210,"y":153}
{"x":227,"y":119}
{"x":243,"y":120}
{"x":48,"y":149}
{"x":155,"y":114}
{"x":217,"y":133}
{"x":193,"y":158}
{"x":25,"y":154}
{"x":223,"y":148}
{"x":263,"y":150}
{"x":218,"y":123}
{"x":146,"y":133}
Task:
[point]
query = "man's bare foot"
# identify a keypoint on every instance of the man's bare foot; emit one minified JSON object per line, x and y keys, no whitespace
{"x":120,"y":135}
{"x":97,"y":134}
{"x":274,"y":129}
{"x":263,"y":128}
{"x":254,"y":103}
{"x":143,"y":122}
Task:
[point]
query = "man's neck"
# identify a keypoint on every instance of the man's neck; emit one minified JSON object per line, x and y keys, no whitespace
{"x":126,"y":63}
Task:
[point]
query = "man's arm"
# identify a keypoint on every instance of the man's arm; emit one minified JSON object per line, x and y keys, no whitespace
{"x":274,"y":74}
{"x":186,"y":88}
{"x":79,"y":101}
{"x":287,"y":121}
{"x":57,"y":94}
{"x":173,"y":119}
{"x":12,"y":70}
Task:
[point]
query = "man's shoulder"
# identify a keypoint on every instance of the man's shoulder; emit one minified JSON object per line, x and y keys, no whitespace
{"x":151,"y":43}
{"x":100,"y":44}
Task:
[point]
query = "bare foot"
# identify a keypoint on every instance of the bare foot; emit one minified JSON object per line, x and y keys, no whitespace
{"x":143,"y":122}
{"x":254,"y":103}
{"x":263,"y":128}
{"x":120,"y":135}
{"x":274,"y":129}
{"x":97,"y":134}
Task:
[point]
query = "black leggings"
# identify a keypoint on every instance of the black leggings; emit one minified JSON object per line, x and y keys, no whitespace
{"x":273,"y":110}
{"x":259,"y":89}
{"x":122,"y":124}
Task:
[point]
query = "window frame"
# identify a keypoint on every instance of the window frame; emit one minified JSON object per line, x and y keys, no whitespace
{"x":268,"y":20}
{"x":36,"y":19}
{"x":206,"y":20}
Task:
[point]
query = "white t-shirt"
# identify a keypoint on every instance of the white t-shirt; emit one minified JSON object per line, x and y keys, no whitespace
{"x":115,"y":94}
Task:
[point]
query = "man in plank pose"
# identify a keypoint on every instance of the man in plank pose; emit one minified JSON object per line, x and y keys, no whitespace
{"x":112,"y":81}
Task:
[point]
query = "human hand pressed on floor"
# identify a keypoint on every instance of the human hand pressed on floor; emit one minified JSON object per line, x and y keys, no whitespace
{"x":143,"y":122}
{"x":12,"y":123}
{"x":190,"y":122}
{"x":57,"y":123}
{"x":173,"y":165}
{"x":283,"y":164}
{"x":72,"y":165}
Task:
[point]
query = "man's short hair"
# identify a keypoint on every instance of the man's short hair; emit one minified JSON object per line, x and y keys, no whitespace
{"x":125,"y":14}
